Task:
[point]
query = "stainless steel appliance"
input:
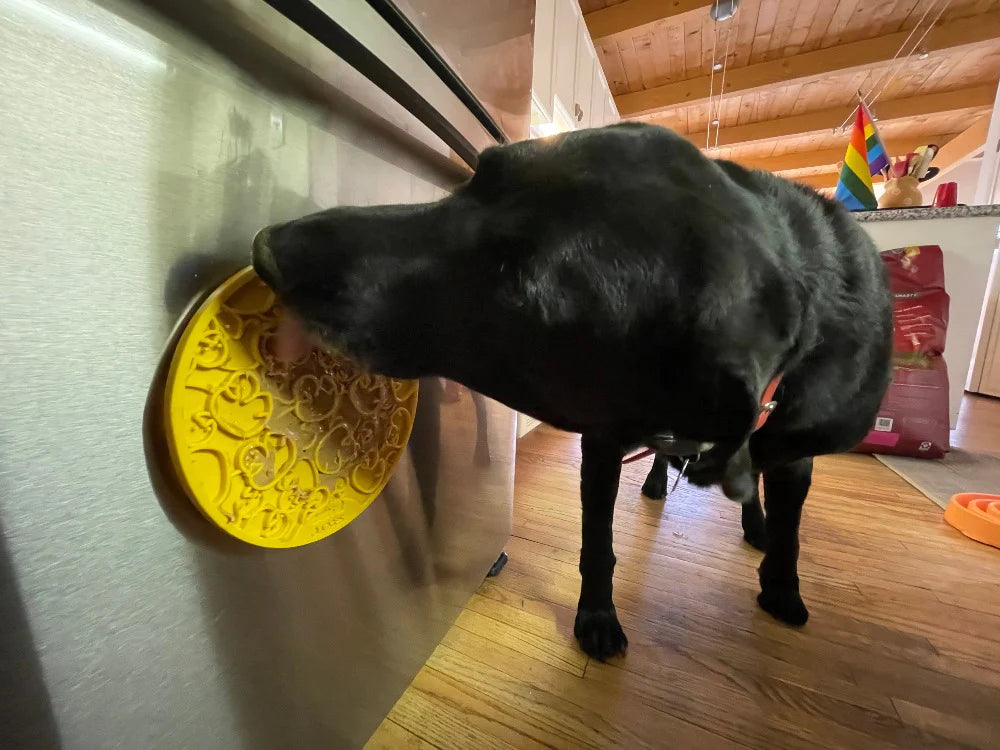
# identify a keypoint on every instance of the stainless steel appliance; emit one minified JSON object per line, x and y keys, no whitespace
{"x":141,"y":146}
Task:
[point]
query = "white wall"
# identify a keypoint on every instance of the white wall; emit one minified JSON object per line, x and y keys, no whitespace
{"x":965,"y":174}
{"x":988,"y":190}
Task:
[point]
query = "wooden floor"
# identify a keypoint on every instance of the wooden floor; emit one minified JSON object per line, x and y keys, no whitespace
{"x":902,"y":649}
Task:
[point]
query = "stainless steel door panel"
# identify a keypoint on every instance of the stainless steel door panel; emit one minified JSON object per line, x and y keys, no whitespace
{"x":137,"y":161}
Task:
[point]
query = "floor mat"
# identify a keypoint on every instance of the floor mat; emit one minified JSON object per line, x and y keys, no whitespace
{"x":958,"y":471}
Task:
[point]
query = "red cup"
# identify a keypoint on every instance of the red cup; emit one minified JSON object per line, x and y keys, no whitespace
{"x":946,"y":195}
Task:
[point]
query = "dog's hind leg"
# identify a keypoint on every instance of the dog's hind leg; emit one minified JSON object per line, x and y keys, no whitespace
{"x":754,"y":531}
{"x":597,"y":627}
{"x":785,"y":489}
{"x":655,"y":486}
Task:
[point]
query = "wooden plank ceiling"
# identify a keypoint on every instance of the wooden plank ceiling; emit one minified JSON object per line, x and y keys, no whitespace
{"x":793,"y":72}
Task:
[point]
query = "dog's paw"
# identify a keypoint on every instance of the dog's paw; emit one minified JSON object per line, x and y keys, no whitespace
{"x":654,"y":489}
{"x":756,"y":538}
{"x":599,"y":633}
{"x":785,"y":605}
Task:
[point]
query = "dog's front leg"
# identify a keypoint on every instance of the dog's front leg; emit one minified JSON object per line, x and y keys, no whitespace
{"x":785,"y":489}
{"x":753,"y":519}
{"x":655,"y":486}
{"x":597,"y":628}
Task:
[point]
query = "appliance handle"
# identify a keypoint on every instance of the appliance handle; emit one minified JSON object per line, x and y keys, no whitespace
{"x":346,"y":44}
{"x":410,"y":34}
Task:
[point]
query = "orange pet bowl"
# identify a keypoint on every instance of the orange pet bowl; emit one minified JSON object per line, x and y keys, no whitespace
{"x":976,"y":515}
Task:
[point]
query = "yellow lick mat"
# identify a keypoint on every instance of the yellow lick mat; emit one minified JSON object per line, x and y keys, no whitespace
{"x":277,"y":454}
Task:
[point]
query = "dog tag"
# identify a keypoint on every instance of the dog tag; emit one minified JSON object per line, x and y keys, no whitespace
{"x":681,"y":473}
{"x":669,"y":444}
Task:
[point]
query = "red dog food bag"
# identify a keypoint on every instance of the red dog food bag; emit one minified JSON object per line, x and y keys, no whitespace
{"x":913,"y":419}
{"x":920,"y":321}
{"x":920,"y":303}
{"x":916,"y":267}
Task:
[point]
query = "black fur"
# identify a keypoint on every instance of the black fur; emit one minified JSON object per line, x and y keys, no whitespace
{"x":617,"y":283}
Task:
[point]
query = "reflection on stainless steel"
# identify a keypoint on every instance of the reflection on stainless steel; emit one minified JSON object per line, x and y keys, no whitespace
{"x":375,"y":49}
{"x":143,"y":147}
{"x":488,"y":42}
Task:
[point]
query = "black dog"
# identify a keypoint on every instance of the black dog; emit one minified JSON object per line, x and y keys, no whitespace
{"x":617,"y":283}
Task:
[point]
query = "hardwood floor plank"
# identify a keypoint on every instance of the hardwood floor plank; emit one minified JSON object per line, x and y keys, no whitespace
{"x":443,"y":717}
{"x":609,"y":718}
{"x":391,"y":736}
{"x":508,"y":627}
{"x":763,"y":712}
{"x":902,"y":649}
{"x":959,"y":729}
{"x":735,"y":610}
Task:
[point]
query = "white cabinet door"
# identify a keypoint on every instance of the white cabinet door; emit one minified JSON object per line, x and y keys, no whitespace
{"x":567,"y":32}
{"x":543,"y":62}
{"x":598,"y":93}
{"x":610,"y":110}
{"x":584,"y":85}
{"x":985,"y":376}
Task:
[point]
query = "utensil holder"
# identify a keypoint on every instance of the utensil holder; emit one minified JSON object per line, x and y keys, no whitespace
{"x":901,"y":192}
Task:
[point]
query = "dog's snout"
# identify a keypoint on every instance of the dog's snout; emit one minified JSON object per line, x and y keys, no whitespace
{"x":263,"y":259}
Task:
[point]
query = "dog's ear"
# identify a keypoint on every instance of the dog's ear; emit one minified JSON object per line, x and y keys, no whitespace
{"x":737,"y":479}
{"x":489,"y":170}
{"x":489,"y":159}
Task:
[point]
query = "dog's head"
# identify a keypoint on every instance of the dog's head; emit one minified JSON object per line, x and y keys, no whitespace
{"x":562,"y":264}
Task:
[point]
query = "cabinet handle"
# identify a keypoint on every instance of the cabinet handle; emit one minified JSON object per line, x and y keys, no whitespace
{"x":578,"y":111}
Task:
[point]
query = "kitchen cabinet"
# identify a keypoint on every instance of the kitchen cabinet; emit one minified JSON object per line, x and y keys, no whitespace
{"x":985,"y":376}
{"x":568,"y":86}
{"x":597,"y":97}
{"x":602,"y":103}
{"x":566,"y":39}
{"x":610,"y":110}
{"x":584,"y":85}
{"x":542,"y":57}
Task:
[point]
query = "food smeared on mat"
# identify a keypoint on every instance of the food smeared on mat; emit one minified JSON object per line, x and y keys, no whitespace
{"x":277,"y":441}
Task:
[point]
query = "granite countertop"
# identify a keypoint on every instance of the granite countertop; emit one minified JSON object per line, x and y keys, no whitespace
{"x":927,"y":212}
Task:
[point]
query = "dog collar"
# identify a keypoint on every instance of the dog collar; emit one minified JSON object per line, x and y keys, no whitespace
{"x":767,"y":405}
{"x":767,"y":402}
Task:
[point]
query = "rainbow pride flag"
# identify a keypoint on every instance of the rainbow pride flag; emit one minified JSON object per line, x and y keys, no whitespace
{"x":854,"y":189}
{"x":878,"y":159}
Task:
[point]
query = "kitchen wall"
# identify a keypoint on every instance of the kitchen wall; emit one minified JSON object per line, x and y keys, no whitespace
{"x":965,"y":174}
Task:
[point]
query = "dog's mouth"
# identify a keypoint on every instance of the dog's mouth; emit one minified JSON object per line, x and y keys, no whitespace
{"x":291,"y":340}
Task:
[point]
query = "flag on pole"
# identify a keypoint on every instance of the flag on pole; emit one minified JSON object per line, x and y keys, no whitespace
{"x":854,"y":189}
{"x":878,"y":159}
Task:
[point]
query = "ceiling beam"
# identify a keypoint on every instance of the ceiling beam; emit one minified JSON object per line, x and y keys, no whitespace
{"x":634,"y":13}
{"x":842,"y":58}
{"x":974,"y":97}
{"x":831,"y":157}
{"x":796,"y":160}
{"x":824,"y":181}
